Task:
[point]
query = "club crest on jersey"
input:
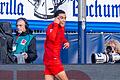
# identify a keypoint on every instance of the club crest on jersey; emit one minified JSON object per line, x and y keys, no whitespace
{"x":51,"y":30}
{"x":23,"y":41}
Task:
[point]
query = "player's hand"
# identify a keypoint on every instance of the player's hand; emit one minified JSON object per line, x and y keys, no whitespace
{"x":66,"y":45}
{"x":62,"y":24}
{"x":57,"y":20}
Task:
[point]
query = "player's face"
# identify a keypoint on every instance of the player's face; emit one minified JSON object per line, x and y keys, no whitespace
{"x":21,"y":26}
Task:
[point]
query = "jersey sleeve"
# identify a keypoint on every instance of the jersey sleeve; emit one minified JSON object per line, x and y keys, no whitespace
{"x":52,"y":31}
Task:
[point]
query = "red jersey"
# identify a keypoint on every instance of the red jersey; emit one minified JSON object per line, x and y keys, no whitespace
{"x":55,"y":38}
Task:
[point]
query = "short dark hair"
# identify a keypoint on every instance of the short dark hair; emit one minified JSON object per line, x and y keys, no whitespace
{"x":25,"y":20}
{"x":58,"y":12}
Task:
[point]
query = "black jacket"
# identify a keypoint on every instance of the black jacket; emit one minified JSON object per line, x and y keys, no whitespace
{"x":6,"y":42}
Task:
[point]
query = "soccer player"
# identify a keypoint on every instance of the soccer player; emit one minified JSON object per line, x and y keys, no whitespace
{"x":55,"y":39}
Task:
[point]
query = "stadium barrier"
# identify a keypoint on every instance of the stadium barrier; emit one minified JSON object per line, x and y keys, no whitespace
{"x":74,"y":72}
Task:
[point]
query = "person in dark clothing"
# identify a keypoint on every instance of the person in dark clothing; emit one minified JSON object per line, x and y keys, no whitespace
{"x":24,"y":45}
{"x":6,"y":41}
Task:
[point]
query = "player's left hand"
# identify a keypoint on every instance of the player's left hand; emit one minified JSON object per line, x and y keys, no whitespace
{"x":66,"y":45}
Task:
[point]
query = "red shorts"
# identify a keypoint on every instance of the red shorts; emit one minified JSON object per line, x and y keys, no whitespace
{"x":53,"y":69}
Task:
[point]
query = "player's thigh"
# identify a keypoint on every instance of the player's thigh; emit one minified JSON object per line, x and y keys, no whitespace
{"x":49,"y":77}
{"x":61,"y":76}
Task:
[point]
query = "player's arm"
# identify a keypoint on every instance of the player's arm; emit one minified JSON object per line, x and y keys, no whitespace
{"x":52,"y":29}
